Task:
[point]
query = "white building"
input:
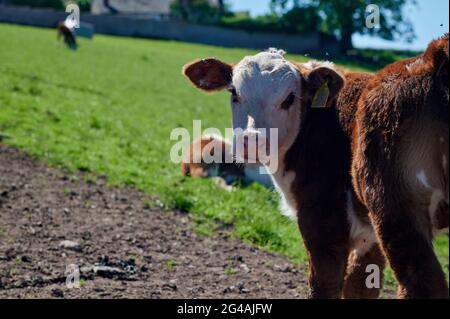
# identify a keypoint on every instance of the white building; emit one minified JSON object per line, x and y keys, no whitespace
{"x":149,"y":8}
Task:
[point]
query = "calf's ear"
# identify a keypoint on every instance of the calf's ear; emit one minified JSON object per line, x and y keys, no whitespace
{"x":209,"y":74}
{"x":323,"y":85}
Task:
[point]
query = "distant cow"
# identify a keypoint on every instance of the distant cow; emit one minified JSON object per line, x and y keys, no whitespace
{"x":67,"y":34}
{"x":332,"y":122}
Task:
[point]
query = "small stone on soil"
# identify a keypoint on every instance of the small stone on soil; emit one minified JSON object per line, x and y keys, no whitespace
{"x":26,"y":259}
{"x":228,"y":290}
{"x":70,"y":245}
{"x":57,"y":293}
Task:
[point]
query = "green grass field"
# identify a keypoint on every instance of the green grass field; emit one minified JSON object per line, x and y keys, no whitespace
{"x":109,"y":109}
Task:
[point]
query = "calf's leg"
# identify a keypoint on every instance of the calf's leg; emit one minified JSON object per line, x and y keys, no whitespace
{"x":327,"y":242}
{"x":356,"y":286}
{"x":411,"y":255}
{"x":404,"y":231}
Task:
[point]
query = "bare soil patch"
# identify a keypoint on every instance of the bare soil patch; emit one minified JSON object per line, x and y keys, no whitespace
{"x":50,"y":219}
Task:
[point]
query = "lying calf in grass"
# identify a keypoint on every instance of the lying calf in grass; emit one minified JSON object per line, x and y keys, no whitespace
{"x":348,"y":170}
{"x":226,"y":172}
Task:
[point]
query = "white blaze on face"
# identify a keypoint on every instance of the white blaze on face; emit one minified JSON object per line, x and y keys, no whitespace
{"x":262,"y":83}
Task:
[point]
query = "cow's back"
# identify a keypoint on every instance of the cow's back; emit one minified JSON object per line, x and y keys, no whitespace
{"x":347,"y":102}
{"x":400,"y":135}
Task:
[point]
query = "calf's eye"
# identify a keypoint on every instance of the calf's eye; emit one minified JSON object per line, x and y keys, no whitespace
{"x":288,"y":102}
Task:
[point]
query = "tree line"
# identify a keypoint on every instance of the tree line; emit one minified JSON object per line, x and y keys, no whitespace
{"x":341,"y":18}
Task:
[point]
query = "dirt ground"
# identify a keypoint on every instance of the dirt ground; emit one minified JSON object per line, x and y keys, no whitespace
{"x":122,"y":248}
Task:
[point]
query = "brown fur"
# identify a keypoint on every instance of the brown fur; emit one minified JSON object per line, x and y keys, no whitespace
{"x":386,"y":124}
{"x":224,"y":173}
{"x":321,"y":158}
{"x":356,"y":275}
{"x":194,"y":164}
{"x":402,"y":112}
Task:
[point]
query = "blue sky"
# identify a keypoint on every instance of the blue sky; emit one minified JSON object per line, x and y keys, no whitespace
{"x":426,"y":17}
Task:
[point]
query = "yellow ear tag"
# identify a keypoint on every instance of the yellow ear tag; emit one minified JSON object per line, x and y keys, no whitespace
{"x":321,"y":97}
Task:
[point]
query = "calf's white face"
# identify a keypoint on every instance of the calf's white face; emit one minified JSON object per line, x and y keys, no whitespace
{"x":268,"y":94}
{"x":265,"y":91}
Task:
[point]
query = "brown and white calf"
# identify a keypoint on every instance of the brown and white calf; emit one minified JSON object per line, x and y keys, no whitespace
{"x":198,"y":161}
{"x":313,"y":153}
{"x":324,"y":147}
